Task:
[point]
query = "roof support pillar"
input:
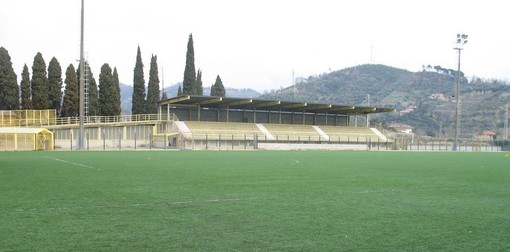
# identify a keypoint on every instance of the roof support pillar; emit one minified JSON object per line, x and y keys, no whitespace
{"x":228,"y":112}
{"x":198,"y":112}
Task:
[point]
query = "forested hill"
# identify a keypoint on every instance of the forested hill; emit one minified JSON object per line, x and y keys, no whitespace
{"x":424,"y":99}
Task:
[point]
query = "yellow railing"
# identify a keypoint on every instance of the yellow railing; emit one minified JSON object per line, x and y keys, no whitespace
{"x":117,"y":119}
{"x":13,"y":119}
{"x":24,"y":118}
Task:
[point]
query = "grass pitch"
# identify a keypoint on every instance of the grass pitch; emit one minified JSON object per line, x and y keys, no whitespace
{"x":254,"y":201}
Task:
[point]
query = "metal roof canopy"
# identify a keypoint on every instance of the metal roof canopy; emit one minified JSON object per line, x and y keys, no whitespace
{"x":212,"y":102}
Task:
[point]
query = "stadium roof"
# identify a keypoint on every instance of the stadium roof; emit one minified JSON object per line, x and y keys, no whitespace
{"x":273,"y":105}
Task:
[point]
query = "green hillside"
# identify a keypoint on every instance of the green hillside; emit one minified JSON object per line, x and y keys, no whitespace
{"x":483,"y":102}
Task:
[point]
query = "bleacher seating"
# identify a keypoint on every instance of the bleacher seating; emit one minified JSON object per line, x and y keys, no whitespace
{"x":293,"y":132}
{"x":217,"y":130}
{"x":280,"y":132}
{"x":350,"y":134}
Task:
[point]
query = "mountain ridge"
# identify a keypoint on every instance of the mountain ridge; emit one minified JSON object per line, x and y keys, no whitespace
{"x":424,"y":100}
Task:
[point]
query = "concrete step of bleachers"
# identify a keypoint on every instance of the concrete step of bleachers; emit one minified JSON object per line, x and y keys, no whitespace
{"x":350,"y":134}
{"x":322,"y":133}
{"x":294,"y":132}
{"x":379,"y":134}
{"x":182,"y":127}
{"x":266,"y":132}
{"x":223,"y":130}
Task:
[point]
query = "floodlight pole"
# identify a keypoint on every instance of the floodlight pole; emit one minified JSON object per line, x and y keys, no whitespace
{"x":81,"y":132}
{"x":506,"y":122}
{"x":461,"y":40}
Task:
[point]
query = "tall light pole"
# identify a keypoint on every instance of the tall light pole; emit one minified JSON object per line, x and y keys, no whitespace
{"x":505,"y":134}
{"x":459,"y":46}
{"x":81,"y":132}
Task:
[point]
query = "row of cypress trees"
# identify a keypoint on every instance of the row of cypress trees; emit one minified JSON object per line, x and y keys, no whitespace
{"x":141,"y":103}
{"x":44,"y":89}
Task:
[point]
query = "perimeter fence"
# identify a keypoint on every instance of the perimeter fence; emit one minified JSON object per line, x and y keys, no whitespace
{"x":144,"y":139}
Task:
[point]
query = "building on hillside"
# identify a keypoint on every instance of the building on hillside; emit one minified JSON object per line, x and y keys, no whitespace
{"x":438,"y":96}
{"x":408,"y":110}
{"x":402,"y":128}
{"x":487,"y":136}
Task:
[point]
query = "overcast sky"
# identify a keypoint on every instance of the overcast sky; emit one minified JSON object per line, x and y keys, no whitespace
{"x":258,"y":44}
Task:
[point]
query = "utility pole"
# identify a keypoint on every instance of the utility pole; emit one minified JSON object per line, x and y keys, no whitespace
{"x":461,"y":40}
{"x":506,"y":122}
{"x":81,"y":133}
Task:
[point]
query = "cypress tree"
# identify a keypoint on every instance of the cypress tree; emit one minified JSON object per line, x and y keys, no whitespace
{"x":55,"y":84}
{"x":213,"y":90}
{"x":106,"y":91}
{"x":117,"y":109}
{"x":179,"y":91}
{"x":218,"y":89}
{"x":153,"y":87}
{"x":40,"y":96}
{"x":26,"y":93}
{"x":199,"y":87}
{"x":188,"y":84}
{"x":138,"y":101}
{"x":9,"y":90}
{"x":93,"y":96}
{"x":71,"y":103}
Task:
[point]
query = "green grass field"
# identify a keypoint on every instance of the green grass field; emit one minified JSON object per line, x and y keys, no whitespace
{"x":254,"y":201}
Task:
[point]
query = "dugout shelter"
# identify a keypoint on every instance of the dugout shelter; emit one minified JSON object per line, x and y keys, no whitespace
{"x":21,"y":138}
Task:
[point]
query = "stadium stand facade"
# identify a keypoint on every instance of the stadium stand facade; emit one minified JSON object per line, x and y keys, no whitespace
{"x":205,"y":122}
{"x":241,"y":123}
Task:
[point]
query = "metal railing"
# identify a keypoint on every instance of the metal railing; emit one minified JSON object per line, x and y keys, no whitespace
{"x":117,"y":119}
{"x":12,"y":121}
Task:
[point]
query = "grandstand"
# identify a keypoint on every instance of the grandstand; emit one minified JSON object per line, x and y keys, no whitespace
{"x":233,"y":123}
{"x":204,"y":122}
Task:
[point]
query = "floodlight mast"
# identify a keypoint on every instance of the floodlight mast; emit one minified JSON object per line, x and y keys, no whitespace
{"x":459,"y":46}
{"x":81,"y":132}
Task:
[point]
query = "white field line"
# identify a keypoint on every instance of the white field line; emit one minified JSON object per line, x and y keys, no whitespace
{"x":174,"y":203}
{"x":73,"y":163}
